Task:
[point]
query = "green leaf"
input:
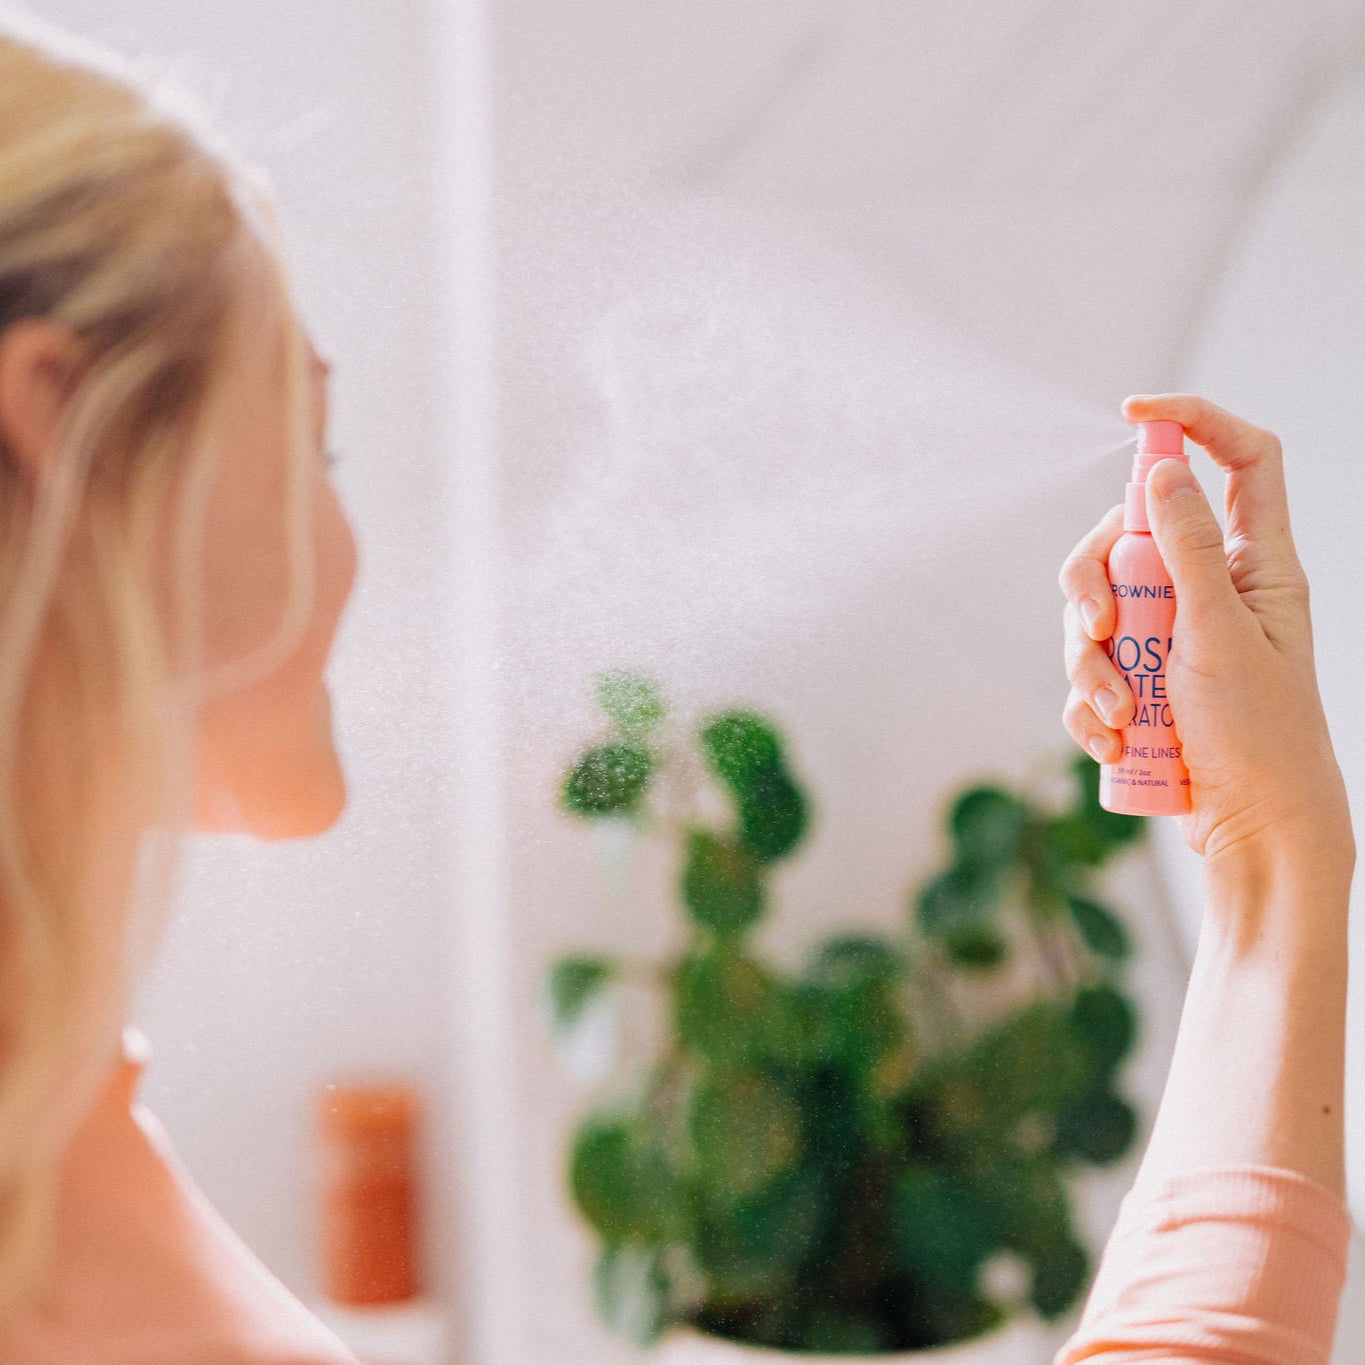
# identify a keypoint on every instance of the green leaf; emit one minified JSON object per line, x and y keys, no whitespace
{"x":727,"y":1007}
{"x":1029,"y":1063}
{"x":1066,"y":842}
{"x":829,"y":1330}
{"x":631,"y":700}
{"x":830,"y":1124}
{"x":865,"y":1024}
{"x":852,"y":1015}
{"x":959,"y":898}
{"x":607,"y":780}
{"x":850,"y":1012}
{"x":622,"y":1182}
{"x":952,"y":1318}
{"x":1026,"y":1201}
{"x":975,"y":947}
{"x":851,"y":1000}
{"x":1098,"y":1127}
{"x":1102,"y":930}
{"x":806,"y":1039}
{"x":1060,"y":1271}
{"x":721,"y":884}
{"x":750,"y":1248}
{"x":743,"y":750}
{"x":987,"y":823}
{"x":940,"y":1228}
{"x":631,"y":1289}
{"x":850,"y":959}
{"x":1112,"y":827}
{"x":746,"y":1130}
{"x":574,"y":983}
{"x":738,"y":744}
{"x":1105,"y":1023}
{"x":772,"y":814}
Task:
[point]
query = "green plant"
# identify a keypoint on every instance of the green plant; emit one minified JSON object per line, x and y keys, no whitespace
{"x":846,"y":1158}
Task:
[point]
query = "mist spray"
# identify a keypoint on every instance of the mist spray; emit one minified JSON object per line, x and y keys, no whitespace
{"x":1150,"y":778}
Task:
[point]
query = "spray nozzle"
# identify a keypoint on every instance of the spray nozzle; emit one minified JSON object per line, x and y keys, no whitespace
{"x":1157,"y":441}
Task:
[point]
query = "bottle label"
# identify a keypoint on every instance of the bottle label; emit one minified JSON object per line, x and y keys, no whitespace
{"x":1150,"y":774}
{"x":1143,"y":665}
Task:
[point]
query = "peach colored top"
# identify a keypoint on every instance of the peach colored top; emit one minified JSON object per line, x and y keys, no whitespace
{"x":144,"y":1270}
{"x":1243,"y":1265}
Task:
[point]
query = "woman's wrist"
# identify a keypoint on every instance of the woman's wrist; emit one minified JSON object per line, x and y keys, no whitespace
{"x":1317,"y":853}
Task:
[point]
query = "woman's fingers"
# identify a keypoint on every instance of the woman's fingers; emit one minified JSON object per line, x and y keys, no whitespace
{"x":1093,"y":675}
{"x":1085,"y":579}
{"x":1089,"y":731}
{"x":1190,"y":541}
{"x":1257,"y":529}
{"x":1100,"y":699}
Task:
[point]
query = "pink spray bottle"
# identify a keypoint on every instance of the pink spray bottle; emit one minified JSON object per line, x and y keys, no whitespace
{"x":1150,"y":778}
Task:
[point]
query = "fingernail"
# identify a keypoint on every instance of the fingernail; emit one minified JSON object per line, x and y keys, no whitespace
{"x":1176,"y":482}
{"x":1090,"y":613}
{"x":1108,"y":701}
{"x":1097,"y":747}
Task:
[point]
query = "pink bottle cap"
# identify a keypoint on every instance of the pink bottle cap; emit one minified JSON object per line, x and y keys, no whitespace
{"x":1160,"y":438}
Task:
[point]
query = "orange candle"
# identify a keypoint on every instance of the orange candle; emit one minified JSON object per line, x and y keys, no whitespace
{"x":369,"y":1193}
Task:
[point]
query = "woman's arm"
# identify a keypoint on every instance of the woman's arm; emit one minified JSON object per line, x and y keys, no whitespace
{"x":1257,"y":1071}
{"x":1232,"y":1244}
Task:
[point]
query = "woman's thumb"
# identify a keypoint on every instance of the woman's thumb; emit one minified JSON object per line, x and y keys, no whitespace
{"x":1191,"y":543}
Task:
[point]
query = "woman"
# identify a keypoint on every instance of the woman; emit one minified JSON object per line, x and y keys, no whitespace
{"x":1231,"y":1246}
{"x":173,"y":563}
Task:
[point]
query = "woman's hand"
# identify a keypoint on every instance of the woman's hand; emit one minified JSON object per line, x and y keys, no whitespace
{"x":1240,"y":677}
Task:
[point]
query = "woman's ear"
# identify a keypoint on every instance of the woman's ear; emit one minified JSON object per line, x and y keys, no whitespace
{"x":40,"y":364}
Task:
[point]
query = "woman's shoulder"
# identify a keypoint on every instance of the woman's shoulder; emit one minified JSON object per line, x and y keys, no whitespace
{"x":143,"y":1268}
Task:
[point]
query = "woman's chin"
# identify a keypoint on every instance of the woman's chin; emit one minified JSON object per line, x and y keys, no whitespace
{"x":302,"y":808}
{"x":311,"y":812}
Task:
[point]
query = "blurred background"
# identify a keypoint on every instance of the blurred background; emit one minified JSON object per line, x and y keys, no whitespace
{"x":775,"y":350}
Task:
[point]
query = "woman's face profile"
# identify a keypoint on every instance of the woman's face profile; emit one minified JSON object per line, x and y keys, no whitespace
{"x":267,"y":761}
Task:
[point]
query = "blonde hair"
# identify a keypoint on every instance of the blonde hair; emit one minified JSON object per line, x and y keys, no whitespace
{"x":123,"y":222}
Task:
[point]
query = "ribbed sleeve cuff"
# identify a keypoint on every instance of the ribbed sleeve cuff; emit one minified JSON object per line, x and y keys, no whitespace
{"x":1239,"y":1264}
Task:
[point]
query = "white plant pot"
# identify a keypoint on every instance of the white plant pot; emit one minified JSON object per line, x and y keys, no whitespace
{"x":1025,"y":1341}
